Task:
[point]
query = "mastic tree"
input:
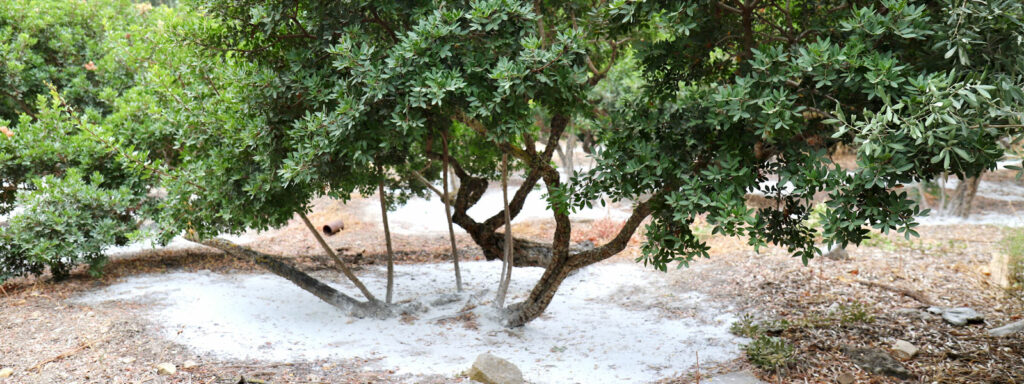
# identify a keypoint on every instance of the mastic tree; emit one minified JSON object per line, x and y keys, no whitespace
{"x":718,"y":99}
{"x":692,"y":105}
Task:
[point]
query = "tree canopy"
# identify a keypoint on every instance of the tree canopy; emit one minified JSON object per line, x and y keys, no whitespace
{"x":244,"y":111}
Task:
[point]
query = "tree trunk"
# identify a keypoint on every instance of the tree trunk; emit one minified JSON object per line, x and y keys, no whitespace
{"x":506,"y":262}
{"x":448,"y":217}
{"x":963,"y":196}
{"x":337,"y":260}
{"x":308,"y":283}
{"x":544,"y":291}
{"x":387,"y":241}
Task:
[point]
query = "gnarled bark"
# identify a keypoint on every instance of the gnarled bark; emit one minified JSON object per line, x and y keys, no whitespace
{"x":544,"y":291}
{"x":526,"y":253}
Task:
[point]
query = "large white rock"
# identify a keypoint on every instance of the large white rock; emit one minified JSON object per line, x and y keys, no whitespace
{"x":962,"y":316}
{"x":490,"y":369}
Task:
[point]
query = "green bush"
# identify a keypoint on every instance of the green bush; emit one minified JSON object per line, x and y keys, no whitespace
{"x":73,"y":160}
{"x":66,"y":222}
{"x":769,"y":353}
{"x":746,"y":327}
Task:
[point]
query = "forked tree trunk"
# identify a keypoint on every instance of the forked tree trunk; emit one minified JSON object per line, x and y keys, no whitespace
{"x":544,"y":291}
{"x":308,"y":283}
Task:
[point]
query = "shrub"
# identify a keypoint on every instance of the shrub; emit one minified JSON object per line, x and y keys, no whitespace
{"x":769,"y":353}
{"x":66,"y":222}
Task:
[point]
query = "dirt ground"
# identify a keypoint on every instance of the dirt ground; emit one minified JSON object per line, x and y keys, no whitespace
{"x":46,"y":338}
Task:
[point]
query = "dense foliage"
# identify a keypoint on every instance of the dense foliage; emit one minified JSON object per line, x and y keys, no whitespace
{"x":244,"y":111}
{"x":73,"y":112}
{"x":763,"y":89}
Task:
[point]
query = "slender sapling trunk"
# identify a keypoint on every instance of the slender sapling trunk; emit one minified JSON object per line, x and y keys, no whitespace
{"x":506,"y":263}
{"x":448,"y":216}
{"x":387,"y":241}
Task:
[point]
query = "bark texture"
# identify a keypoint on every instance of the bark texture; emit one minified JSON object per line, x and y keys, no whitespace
{"x":963,"y":197}
{"x":308,"y":283}
{"x":544,"y":291}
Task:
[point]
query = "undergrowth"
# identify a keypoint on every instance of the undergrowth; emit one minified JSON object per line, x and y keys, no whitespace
{"x":770,"y":351}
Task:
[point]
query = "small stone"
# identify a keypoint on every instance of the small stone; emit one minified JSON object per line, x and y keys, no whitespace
{"x":904,"y":350}
{"x":166,"y":369}
{"x":877,"y":362}
{"x":1007,"y":329}
{"x":6,"y":372}
{"x":189,"y":364}
{"x":845,"y":378}
{"x":962,"y":316}
{"x":490,"y":369}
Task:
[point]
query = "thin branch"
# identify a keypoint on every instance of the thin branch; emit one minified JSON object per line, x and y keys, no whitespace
{"x":506,"y":262}
{"x":337,"y":260}
{"x":448,"y":216}
{"x":24,"y":107}
{"x":387,"y":240}
{"x":598,"y":75}
{"x":728,"y":8}
{"x":423,"y":180}
{"x":617,"y":244}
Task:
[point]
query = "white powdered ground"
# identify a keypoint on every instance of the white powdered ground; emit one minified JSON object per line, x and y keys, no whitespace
{"x":608,"y":323}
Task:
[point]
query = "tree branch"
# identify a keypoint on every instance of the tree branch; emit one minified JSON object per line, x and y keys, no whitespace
{"x":617,"y":244}
{"x":337,"y":260}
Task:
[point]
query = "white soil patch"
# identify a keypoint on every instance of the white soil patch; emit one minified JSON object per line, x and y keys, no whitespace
{"x":608,"y":323}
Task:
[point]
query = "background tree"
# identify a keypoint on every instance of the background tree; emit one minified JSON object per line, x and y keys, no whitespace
{"x":70,"y":105}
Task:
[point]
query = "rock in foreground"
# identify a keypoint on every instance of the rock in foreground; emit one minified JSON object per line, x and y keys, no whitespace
{"x":877,"y":362}
{"x":166,"y":369}
{"x":490,"y":369}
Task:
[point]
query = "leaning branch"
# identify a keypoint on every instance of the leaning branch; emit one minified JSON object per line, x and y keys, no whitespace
{"x":617,"y":244}
{"x":337,"y":260}
{"x":279,"y":267}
